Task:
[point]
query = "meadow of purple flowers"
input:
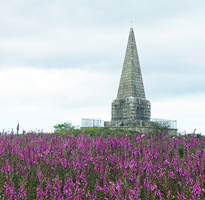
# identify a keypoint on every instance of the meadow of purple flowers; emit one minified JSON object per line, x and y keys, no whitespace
{"x":53,"y":166}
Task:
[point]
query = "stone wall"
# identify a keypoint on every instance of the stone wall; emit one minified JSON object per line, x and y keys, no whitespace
{"x":131,"y":108}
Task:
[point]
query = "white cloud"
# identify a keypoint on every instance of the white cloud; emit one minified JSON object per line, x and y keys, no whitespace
{"x":188,"y":110}
{"x":36,"y":96}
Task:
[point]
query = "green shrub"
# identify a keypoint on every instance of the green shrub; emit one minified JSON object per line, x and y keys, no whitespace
{"x":159,"y":128}
{"x":64,"y":126}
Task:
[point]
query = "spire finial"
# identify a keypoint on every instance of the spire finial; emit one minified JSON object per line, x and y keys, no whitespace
{"x":131,"y":25}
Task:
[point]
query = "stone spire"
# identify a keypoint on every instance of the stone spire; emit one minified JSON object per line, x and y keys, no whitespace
{"x":131,"y":83}
{"x":131,"y":106}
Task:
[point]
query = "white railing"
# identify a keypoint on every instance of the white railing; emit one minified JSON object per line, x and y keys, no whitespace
{"x":92,"y":122}
{"x":170,"y":123}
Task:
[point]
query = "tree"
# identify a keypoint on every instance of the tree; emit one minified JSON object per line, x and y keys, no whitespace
{"x":65,"y":126}
{"x":159,"y":127}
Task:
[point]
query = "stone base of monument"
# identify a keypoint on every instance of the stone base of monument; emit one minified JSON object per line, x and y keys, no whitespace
{"x":135,"y":125}
{"x":127,"y":123}
{"x":131,"y":108}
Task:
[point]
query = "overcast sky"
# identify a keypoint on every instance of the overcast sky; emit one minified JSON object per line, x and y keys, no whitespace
{"x":62,"y":60}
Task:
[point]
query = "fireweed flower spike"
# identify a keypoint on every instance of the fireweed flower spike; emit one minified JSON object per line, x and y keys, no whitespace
{"x":40,"y":192}
{"x":171,"y":175}
{"x":22,"y":192}
{"x":17,"y":128}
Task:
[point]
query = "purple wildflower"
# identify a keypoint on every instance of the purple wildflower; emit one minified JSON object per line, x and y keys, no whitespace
{"x":197,"y":190}
{"x":22,"y":193}
{"x":171,"y":175}
{"x":39,"y":192}
{"x":88,"y":194}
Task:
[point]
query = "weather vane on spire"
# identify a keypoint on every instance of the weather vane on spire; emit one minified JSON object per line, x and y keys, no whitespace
{"x":131,"y":25}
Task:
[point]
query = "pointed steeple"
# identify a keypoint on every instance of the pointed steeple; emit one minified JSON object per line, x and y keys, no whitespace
{"x":131,"y":83}
{"x":131,"y":104}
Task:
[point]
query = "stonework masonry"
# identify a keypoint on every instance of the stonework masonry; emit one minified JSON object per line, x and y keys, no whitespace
{"x":130,"y":108}
{"x":131,"y":83}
